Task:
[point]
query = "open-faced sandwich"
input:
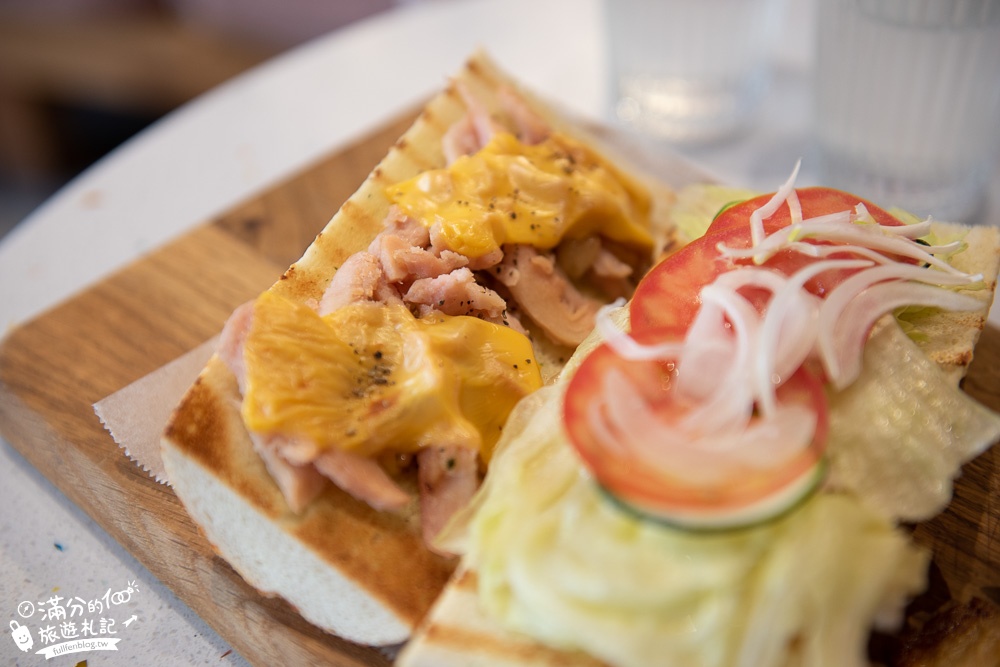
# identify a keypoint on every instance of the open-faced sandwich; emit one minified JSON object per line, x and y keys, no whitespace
{"x":721,"y":476}
{"x":353,"y":406}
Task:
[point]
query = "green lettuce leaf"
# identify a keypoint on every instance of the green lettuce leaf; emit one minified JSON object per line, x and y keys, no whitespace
{"x":697,"y":205}
{"x":901,"y":432}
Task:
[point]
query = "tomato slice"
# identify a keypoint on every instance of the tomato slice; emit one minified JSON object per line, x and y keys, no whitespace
{"x":667,"y":298}
{"x":744,"y":496}
{"x":622,"y":415}
{"x":815,"y":201}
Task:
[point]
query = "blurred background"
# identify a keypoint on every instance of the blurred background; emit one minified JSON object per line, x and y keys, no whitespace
{"x":79,"y":77}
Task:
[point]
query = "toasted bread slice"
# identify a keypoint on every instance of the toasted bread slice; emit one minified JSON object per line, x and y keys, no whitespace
{"x":458,"y":631}
{"x":353,"y":571}
{"x":346,"y":567}
{"x":949,"y":338}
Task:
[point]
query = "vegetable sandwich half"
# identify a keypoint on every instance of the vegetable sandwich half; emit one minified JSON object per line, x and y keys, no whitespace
{"x":354,"y":406}
{"x":722,"y":473}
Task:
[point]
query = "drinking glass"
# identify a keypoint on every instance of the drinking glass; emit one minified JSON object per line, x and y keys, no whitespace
{"x":689,"y":70}
{"x":907,"y":103}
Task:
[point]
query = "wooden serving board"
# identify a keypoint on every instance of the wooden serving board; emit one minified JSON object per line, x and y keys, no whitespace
{"x":55,"y":367}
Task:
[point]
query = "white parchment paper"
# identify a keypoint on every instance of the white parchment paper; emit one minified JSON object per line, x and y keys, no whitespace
{"x":136,"y":414}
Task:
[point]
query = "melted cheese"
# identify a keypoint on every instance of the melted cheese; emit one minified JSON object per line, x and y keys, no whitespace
{"x":371,"y":378}
{"x":510,"y":192}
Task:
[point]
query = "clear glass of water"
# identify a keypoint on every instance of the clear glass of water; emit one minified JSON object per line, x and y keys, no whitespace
{"x":689,"y":70}
{"x":907,"y":102}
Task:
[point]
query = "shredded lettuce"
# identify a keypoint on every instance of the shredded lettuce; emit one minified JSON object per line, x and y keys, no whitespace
{"x":557,"y":561}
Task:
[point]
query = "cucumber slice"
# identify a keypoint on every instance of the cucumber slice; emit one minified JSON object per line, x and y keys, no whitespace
{"x":721,"y":519}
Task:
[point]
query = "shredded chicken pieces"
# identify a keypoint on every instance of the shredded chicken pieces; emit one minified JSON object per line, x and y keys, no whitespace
{"x":408,"y":263}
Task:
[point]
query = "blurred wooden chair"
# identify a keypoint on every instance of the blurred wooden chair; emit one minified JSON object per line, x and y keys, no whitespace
{"x":140,"y":64}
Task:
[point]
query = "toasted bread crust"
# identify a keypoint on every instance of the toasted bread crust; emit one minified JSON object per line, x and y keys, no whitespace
{"x":951,"y":337}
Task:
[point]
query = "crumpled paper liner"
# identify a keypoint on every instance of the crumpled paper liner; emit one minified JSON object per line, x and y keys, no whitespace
{"x":137,"y":414}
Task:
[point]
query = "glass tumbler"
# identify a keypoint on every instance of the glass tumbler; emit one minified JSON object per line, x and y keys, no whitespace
{"x":689,"y":71}
{"x":907,"y":101}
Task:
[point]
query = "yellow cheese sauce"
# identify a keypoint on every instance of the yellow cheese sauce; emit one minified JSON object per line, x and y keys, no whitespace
{"x":510,"y":192}
{"x":370,"y":378}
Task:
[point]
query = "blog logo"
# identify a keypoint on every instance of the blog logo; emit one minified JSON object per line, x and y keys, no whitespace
{"x":73,"y":624}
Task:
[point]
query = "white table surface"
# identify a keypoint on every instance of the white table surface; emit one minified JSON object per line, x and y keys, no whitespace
{"x":245,"y":135}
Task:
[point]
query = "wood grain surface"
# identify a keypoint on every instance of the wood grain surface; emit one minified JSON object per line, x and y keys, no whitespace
{"x":55,"y":367}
